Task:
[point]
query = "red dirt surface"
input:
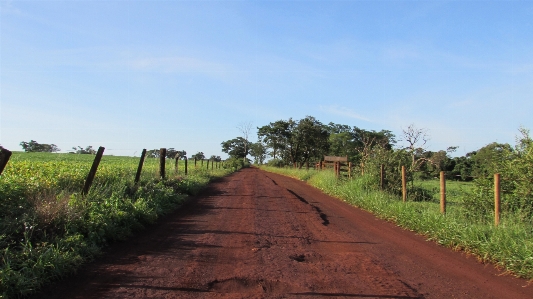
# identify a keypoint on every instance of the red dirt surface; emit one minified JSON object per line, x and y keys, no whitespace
{"x":255,"y":234}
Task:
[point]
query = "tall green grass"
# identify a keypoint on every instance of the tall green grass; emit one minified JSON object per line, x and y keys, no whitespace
{"x":48,"y":229}
{"x":509,"y":246}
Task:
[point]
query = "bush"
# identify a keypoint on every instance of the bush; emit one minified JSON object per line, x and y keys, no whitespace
{"x":275,"y":163}
{"x":516,"y":171}
{"x":235,"y":163}
{"x":392,"y":161}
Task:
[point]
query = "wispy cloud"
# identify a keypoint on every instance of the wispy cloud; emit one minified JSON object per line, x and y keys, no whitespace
{"x":177,"y":64}
{"x":6,"y":6}
{"x":343,"y":111}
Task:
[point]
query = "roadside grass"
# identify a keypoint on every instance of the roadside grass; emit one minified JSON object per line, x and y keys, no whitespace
{"x":509,"y":246}
{"x":48,"y":229}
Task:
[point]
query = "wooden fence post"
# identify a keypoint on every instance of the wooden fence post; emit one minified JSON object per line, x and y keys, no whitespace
{"x":194,"y":162}
{"x":443,"y":192}
{"x":497,"y":199}
{"x":212,"y":162}
{"x":185,"y":165}
{"x":4,"y":158}
{"x":92,"y":172}
{"x":350,"y":170}
{"x":382,"y":177}
{"x":404,"y":185}
{"x":207,"y":167}
{"x":140,"y":167}
{"x":177,"y":165}
{"x":162,"y":160}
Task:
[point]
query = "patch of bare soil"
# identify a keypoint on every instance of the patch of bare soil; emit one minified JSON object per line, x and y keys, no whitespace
{"x":260,"y":235}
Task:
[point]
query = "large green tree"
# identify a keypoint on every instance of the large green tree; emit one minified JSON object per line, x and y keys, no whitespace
{"x":487,"y":159}
{"x":236,"y":148}
{"x":310,"y":138}
{"x":258,"y":151}
{"x":296,"y":141}
{"x":275,"y":135}
{"x":342,"y":141}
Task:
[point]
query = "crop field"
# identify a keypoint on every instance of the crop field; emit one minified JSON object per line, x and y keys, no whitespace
{"x":48,"y":228}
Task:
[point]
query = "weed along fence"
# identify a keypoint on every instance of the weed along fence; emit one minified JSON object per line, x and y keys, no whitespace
{"x":5,"y":156}
{"x":442,"y":193}
{"x":343,"y":168}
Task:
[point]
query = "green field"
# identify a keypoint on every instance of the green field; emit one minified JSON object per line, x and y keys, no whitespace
{"x":455,"y":190}
{"x":48,"y":228}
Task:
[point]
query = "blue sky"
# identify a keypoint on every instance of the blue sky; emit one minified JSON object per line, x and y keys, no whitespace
{"x":130,"y":75}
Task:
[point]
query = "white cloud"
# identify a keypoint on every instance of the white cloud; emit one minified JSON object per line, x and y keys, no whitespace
{"x":343,"y":111}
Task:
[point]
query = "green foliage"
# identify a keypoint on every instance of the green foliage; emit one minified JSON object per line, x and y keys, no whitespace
{"x":236,"y":148}
{"x":275,"y":136}
{"x":34,"y":146}
{"x":215,"y":158}
{"x":258,"y":151}
{"x":235,"y":163}
{"x":393,"y":160}
{"x":296,"y":141}
{"x":47,"y":228}
{"x":515,"y":168}
{"x":175,"y":154}
{"x":198,"y":156}
{"x":488,"y":159}
{"x":87,"y":150}
{"x":275,"y":163}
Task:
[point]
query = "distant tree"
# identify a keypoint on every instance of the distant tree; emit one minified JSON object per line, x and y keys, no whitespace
{"x":342,"y":141}
{"x":462,"y":168}
{"x":296,"y":141}
{"x":198,"y":156}
{"x":180,"y":154}
{"x":171,"y":153}
{"x":258,"y":151}
{"x":275,"y":136}
{"x":245,"y":129}
{"x":153,"y":153}
{"x":87,"y":150}
{"x":416,"y":140}
{"x":437,"y":162}
{"x":311,"y":139}
{"x":487,"y":159}
{"x":365,"y":141}
{"x":215,"y":158}
{"x":236,"y":148}
{"x":34,"y":146}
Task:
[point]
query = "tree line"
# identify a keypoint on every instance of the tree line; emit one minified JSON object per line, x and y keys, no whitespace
{"x":294,"y":143}
{"x":171,"y":153}
{"x":297,"y":142}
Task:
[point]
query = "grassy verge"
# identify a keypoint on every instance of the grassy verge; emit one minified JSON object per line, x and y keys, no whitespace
{"x":48,"y":229}
{"x":509,"y":246}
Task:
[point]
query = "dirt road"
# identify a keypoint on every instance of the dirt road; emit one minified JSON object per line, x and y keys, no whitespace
{"x":260,"y":235}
